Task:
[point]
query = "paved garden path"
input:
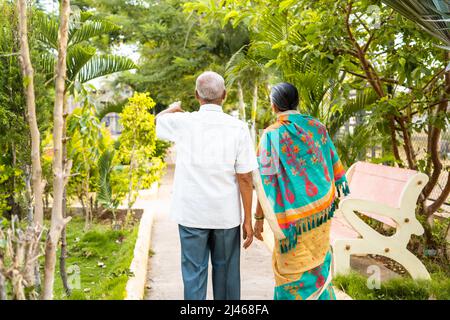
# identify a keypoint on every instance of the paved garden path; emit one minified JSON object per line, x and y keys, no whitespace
{"x":164,"y":276}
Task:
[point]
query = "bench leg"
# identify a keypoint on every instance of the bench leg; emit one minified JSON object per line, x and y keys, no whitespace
{"x":343,"y":249}
{"x":341,"y":257}
{"x":413,"y":265}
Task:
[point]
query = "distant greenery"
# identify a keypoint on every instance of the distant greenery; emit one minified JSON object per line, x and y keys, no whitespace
{"x":174,"y":46}
{"x":355,"y":285}
{"x":103,"y":257}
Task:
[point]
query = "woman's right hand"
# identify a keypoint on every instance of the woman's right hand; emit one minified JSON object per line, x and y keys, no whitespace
{"x":259,"y":229}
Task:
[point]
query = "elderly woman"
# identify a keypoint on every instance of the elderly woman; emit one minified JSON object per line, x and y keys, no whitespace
{"x":300,"y":175}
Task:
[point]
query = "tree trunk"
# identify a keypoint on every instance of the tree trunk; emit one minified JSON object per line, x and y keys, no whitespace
{"x":372,"y":77}
{"x":57,"y":220}
{"x":29,"y":193}
{"x":2,"y":283}
{"x":130,"y":185}
{"x":63,"y":254}
{"x":87,"y":207}
{"x":28,"y":78}
{"x":241,"y":101}
{"x":62,"y":263}
{"x":434,"y":169}
{"x":15,"y":207}
{"x":447,"y":244}
{"x":83,"y":205}
{"x":85,"y":195}
{"x":254,"y":109}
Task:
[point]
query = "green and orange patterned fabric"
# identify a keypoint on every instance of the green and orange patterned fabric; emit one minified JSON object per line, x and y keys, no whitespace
{"x":301,"y":174}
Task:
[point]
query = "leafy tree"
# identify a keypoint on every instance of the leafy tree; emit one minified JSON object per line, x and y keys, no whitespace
{"x":110,"y":199}
{"x":334,"y":50}
{"x":28,"y":78}
{"x":87,"y":142}
{"x":82,"y":65}
{"x":137,"y":141}
{"x":165,"y":35}
{"x":14,"y":130}
{"x":58,"y":221}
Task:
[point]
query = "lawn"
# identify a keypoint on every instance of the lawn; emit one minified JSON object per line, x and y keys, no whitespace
{"x":355,"y":285}
{"x":103,"y":258}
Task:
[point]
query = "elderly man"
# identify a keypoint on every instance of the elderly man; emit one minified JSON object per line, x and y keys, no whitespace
{"x":215,"y":158}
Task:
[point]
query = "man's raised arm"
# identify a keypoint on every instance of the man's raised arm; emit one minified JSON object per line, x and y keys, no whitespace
{"x":166,"y":127}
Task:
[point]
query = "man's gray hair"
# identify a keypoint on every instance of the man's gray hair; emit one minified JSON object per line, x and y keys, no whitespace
{"x":210,"y":86}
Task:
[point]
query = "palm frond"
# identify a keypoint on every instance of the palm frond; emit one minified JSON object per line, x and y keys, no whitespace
{"x":340,"y":116}
{"x":101,"y":65}
{"x":77,"y":57}
{"x":104,"y":194}
{"x":91,"y":29}
{"x":47,"y":64}
{"x":47,"y":30}
{"x":244,"y":66}
{"x":312,"y":88}
{"x":432,"y":15}
{"x":274,"y":28}
{"x":232,"y":68}
{"x":353,"y":146}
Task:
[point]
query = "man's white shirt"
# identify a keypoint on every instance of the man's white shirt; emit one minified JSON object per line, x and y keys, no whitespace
{"x":211,"y":148}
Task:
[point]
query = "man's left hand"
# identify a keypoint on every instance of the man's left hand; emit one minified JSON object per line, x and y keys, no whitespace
{"x":247,"y":231}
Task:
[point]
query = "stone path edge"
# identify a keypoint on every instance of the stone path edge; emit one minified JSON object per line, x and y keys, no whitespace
{"x":135,"y":287}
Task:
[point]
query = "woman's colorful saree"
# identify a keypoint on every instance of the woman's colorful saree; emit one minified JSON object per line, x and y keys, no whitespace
{"x":300,"y":175}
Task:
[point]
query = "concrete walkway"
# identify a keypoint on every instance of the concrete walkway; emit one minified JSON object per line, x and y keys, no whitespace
{"x":164,"y":281}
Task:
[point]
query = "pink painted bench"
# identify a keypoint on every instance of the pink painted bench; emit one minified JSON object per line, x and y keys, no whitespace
{"x":368,"y":181}
{"x":386,"y":194}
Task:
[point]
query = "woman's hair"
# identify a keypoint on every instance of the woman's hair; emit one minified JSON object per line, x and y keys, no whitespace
{"x":284,"y":96}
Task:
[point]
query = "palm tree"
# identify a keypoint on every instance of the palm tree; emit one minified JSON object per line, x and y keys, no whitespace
{"x":83,"y":64}
{"x":244,"y":67}
{"x":83,"y":61}
{"x":321,"y":98}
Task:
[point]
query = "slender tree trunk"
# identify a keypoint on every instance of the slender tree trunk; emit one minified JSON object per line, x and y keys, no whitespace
{"x":85,"y":195}
{"x":254,"y":109}
{"x":2,"y":283}
{"x":91,"y":207}
{"x":83,"y":205}
{"x":409,"y":150}
{"x":29,"y":193}
{"x":372,"y":77}
{"x":88,"y":213}
{"x":63,"y":254}
{"x":241,"y":101}
{"x":434,"y":168}
{"x":130,"y":185}
{"x":447,"y":245}
{"x":28,"y":75}
{"x":67,"y":164}
{"x":62,"y":263}
{"x":15,"y":208}
{"x":58,"y":221}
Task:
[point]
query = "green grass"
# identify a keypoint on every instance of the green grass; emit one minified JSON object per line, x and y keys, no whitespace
{"x":355,"y":285}
{"x":103,"y":257}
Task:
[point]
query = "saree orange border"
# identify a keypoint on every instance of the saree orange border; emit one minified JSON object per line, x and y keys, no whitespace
{"x":338,"y":170}
{"x":289,"y":216}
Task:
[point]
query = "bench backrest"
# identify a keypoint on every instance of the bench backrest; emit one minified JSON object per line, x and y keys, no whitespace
{"x":378,"y":183}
